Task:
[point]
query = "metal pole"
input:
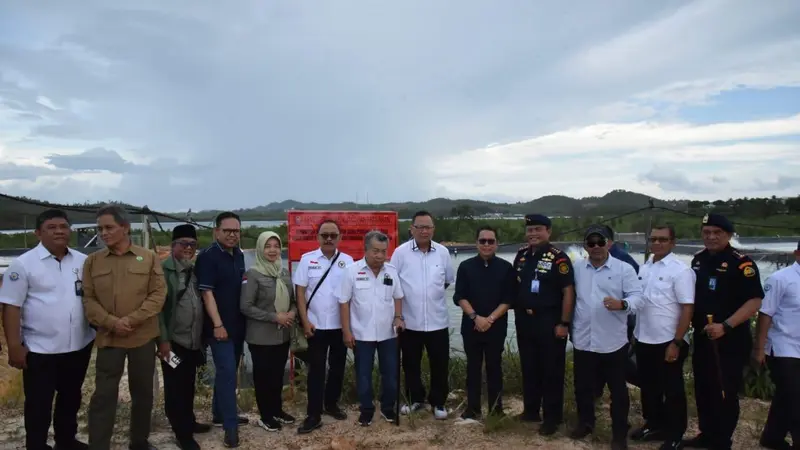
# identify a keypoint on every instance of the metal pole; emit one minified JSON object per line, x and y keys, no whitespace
{"x":25,"y":230}
{"x":647,"y":232}
{"x":145,"y":232}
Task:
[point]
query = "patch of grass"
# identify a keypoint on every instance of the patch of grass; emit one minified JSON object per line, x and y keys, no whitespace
{"x":12,"y":393}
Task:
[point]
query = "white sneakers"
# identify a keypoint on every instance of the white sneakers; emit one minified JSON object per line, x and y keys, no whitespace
{"x":438,"y":413}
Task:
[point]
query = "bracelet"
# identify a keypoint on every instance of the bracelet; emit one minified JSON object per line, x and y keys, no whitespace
{"x":221,"y":326}
{"x":399,"y":317}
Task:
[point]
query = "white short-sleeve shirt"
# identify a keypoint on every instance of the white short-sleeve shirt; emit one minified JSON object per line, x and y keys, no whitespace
{"x":595,"y":328}
{"x":782,"y":303}
{"x":371,"y":300}
{"x":423,"y":276}
{"x":667,"y":284}
{"x":324,"y":309}
{"x":53,"y":320}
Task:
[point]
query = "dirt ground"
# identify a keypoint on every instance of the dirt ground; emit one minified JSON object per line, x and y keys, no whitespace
{"x":417,"y":432}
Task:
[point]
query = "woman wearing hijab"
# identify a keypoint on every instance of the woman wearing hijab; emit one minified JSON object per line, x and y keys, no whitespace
{"x":268,"y":304}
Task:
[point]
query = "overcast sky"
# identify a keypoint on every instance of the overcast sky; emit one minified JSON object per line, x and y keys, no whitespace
{"x":209,"y":104}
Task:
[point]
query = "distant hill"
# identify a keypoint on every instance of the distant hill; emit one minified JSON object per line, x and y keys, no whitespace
{"x":16,"y":214}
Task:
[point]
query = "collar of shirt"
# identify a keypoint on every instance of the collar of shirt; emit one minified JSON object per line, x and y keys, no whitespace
{"x":607,"y":263}
{"x":319,"y":254}
{"x":134,"y":249}
{"x":415,"y":247}
{"x":216,"y":245}
{"x":667,"y":260}
{"x":43,"y":253}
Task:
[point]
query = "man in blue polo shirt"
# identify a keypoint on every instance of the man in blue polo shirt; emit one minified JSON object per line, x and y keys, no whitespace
{"x":220,"y":274}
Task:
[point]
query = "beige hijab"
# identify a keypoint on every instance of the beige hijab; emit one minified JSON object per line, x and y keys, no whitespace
{"x":272,"y":269}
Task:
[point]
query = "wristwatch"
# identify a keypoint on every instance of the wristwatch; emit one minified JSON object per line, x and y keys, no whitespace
{"x":727,"y":327}
{"x":624,"y":305}
{"x":472,"y":315}
{"x":679,"y":342}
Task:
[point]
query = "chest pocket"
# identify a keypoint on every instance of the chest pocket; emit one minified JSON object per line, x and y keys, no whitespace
{"x":139,"y":278}
{"x":103,"y":281}
{"x":659,"y":291}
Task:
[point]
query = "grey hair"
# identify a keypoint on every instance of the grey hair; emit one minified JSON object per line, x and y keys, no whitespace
{"x":376,"y":235}
{"x":117,"y":212}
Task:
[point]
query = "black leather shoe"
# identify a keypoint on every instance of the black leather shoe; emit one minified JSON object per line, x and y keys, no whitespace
{"x":581,"y":431}
{"x":336,"y":412}
{"x":774,"y":445}
{"x":674,"y":444}
{"x":548,"y":429}
{"x":699,"y":441}
{"x":231,"y":439}
{"x":200,"y":428}
{"x":647,"y":433}
{"x":74,"y":445}
{"x":188,"y":444}
{"x":529,"y":417}
{"x":309,"y":425}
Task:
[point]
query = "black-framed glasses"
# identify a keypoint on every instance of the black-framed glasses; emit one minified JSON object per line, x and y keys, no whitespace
{"x":487,"y":241}
{"x":660,"y":239}
{"x":231,"y":231}
{"x":423,"y":227}
{"x":329,"y":236}
{"x":596,"y":243}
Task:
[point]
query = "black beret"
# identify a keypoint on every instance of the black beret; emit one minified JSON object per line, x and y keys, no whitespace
{"x":600,"y":230}
{"x":537,"y":219}
{"x":718,"y":220}
{"x":184,"y":231}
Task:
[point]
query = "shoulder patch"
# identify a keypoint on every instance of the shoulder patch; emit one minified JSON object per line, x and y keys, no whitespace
{"x":563,"y":268}
{"x":749,"y":271}
{"x":13,"y":276}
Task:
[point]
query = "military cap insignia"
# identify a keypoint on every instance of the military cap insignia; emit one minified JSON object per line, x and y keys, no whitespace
{"x":705,"y":219}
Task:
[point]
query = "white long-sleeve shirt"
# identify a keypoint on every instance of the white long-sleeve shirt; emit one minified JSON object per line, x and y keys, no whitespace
{"x":782,"y":303}
{"x":595,"y":328}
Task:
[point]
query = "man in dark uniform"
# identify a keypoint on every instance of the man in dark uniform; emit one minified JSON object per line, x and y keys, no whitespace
{"x":729,"y":290}
{"x":543,"y":311}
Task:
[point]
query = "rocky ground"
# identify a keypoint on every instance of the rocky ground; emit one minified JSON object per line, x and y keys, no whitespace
{"x":419,"y":431}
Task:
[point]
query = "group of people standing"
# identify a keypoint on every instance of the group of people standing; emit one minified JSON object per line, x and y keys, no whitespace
{"x":124,"y":301}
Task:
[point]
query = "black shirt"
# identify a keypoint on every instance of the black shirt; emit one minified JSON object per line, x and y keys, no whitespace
{"x":222,"y":272}
{"x":486,"y":285}
{"x":553,"y":270}
{"x":725,"y":281}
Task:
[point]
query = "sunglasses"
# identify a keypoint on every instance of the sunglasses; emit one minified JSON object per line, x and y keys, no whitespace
{"x":660,"y":239}
{"x":329,"y":236}
{"x":486,"y":241}
{"x":597,"y":243}
{"x":186,"y":244}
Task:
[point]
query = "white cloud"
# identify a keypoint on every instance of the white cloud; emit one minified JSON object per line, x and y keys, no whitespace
{"x":569,"y":98}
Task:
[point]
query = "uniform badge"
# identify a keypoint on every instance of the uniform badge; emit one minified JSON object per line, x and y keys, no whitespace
{"x":767,"y":287}
{"x":139,"y":258}
{"x":244,"y":279}
{"x":563,"y":268}
{"x":13,"y":276}
{"x":749,"y":271}
{"x":341,"y":264}
{"x":712,"y":284}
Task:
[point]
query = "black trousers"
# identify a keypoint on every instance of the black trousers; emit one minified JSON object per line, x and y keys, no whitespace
{"x":784,"y":412}
{"x":662,"y":388}
{"x":717,"y":418}
{"x":325,"y":348}
{"x":46,"y":375}
{"x":480,"y":347}
{"x":437,"y":345}
{"x":612,"y":366}
{"x":179,"y":390}
{"x":542,"y":356}
{"x":269,"y":365}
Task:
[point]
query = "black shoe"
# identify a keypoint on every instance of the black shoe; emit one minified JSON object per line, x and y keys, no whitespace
{"x":188,"y":444}
{"x":529,"y":417}
{"x":74,"y":445}
{"x":309,"y":425}
{"x":285,"y":418}
{"x":336,"y":412}
{"x":365,"y":419}
{"x":241,"y":420}
{"x":200,"y":428}
{"x":647,"y":433}
{"x":619,"y":444}
{"x":270,"y":424}
{"x":581,"y":431}
{"x":548,"y":429}
{"x":231,"y":439}
{"x":144,"y":446}
{"x":774,"y":445}
{"x":470,"y":415}
{"x":675,"y":444}
{"x":699,"y":441}
{"x":389,"y":416}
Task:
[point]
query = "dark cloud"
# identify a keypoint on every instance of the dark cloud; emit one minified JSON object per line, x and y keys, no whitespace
{"x":10,"y":171}
{"x":95,"y":159}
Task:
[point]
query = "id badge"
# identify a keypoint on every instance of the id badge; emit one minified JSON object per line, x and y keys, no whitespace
{"x":712,"y":283}
{"x":535,"y":286}
{"x":79,"y":288}
{"x":173,"y":360}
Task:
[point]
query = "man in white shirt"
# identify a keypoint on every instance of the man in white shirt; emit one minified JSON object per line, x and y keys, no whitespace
{"x":426,"y":271}
{"x":607,"y":290}
{"x":778,"y":341}
{"x":47,"y":332}
{"x":316,"y":279}
{"x":371,"y":302}
{"x":661,"y":347}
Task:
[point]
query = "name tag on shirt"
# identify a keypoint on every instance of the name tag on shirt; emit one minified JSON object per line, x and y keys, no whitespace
{"x":535,"y":286}
{"x":712,"y":284}
{"x":362,"y":283}
{"x":173,"y":360}
{"x":544,"y":265}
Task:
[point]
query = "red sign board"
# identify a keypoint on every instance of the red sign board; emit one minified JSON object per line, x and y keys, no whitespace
{"x":302,"y":229}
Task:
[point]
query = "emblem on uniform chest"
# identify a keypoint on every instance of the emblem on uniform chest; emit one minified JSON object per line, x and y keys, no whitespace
{"x":544,"y":265}
{"x":341,"y":264}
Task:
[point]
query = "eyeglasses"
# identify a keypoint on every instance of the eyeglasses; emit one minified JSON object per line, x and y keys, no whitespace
{"x":231,"y":231}
{"x":593,"y":244}
{"x":329,"y":236}
{"x":661,"y":239}
{"x":486,"y":241}
{"x":186,"y":244}
{"x":423,"y":227}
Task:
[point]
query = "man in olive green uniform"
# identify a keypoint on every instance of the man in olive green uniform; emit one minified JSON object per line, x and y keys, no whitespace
{"x":124,"y":291}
